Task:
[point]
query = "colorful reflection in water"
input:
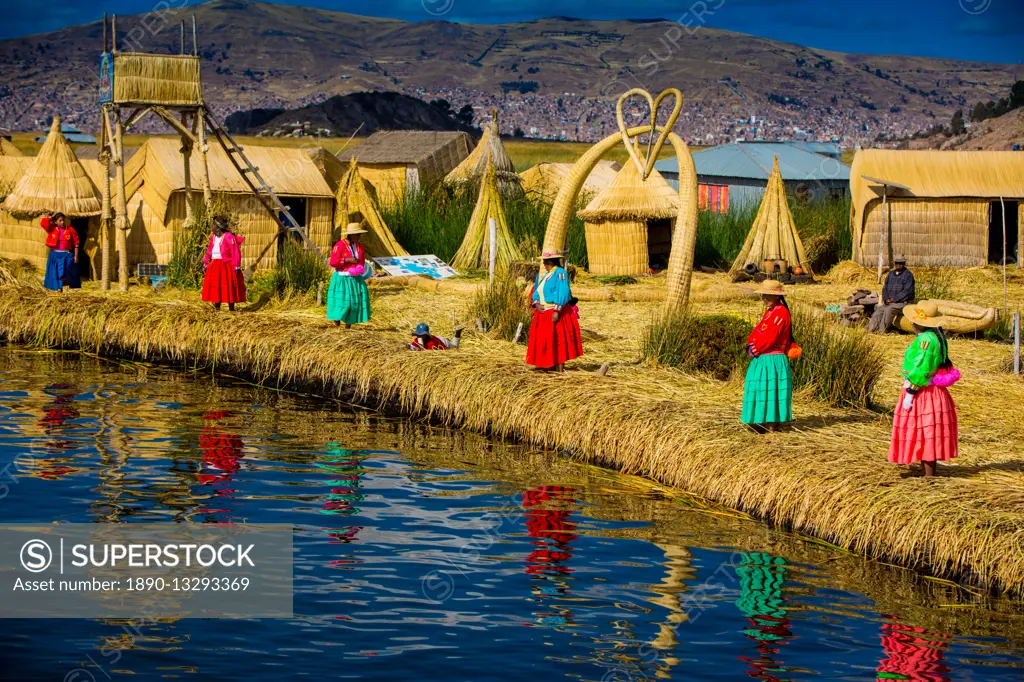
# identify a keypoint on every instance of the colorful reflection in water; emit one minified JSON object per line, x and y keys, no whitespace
{"x":430,"y":554}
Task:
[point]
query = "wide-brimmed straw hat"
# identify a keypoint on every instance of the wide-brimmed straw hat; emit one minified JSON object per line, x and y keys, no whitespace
{"x":924,"y":314}
{"x":770,"y":287}
{"x":549,"y":255}
{"x":354,"y":228}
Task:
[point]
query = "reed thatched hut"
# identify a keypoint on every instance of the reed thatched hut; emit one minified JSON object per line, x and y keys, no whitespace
{"x":942,"y":209}
{"x":773,"y":239}
{"x":54,"y":181}
{"x":155,"y":182}
{"x":542,"y":182}
{"x":355,"y":202}
{"x":489,"y":148}
{"x":7,"y":148}
{"x":475,"y":251}
{"x":401,"y":161}
{"x":629,"y":225}
{"x":329,"y":165}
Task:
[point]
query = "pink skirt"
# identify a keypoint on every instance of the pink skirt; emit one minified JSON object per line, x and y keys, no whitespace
{"x":928,"y":432}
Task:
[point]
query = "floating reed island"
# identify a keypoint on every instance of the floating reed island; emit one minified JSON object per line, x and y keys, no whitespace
{"x":827,"y":477}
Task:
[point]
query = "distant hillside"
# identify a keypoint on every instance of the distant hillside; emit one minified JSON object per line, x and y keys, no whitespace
{"x":994,"y":134}
{"x":266,"y":56}
{"x":366,"y":112}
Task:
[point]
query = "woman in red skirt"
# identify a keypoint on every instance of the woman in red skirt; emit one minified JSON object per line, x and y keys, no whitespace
{"x":924,"y":428}
{"x":555,"y":331}
{"x":223,"y":281}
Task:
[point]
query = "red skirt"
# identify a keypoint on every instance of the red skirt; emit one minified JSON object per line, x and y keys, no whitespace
{"x":223,"y":284}
{"x":928,"y":433}
{"x":552,"y":343}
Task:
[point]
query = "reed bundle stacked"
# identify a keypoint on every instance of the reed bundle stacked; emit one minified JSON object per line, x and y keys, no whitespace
{"x":355,"y":203}
{"x":474,"y":253}
{"x":773,"y":238}
{"x":488,"y":149}
{"x":55,"y":182}
{"x":618,"y":222}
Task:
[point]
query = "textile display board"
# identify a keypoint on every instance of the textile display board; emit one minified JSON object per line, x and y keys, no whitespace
{"x":428,"y":266}
{"x":106,"y":93}
{"x":714,"y":198}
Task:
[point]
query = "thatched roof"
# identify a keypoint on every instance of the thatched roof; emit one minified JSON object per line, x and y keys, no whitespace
{"x":355,"y":200}
{"x":12,"y":168}
{"x":55,"y":182}
{"x":92,"y":151}
{"x":542,"y":182}
{"x":475,"y":251}
{"x":159,"y":167}
{"x":631,"y":198}
{"x":7,"y":148}
{"x":773,"y":236}
{"x":472,"y":168}
{"x":329,"y":165}
{"x":435,"y":153}
{"x":933,"y":174}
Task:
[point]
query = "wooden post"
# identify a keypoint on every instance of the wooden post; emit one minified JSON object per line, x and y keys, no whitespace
{"x":186,"y":153}
{"x":519,"y":332}
{"x":319,"y":292}
{"x":105,"y":222}
{"x":492,"y":236}
{"x":881,"y":237}
{"x":1002,"y":204}
{"x":182,"y":26}
{"x":204,"y":167}
{"x":121,"y":218}
{"x":1016,"y":343}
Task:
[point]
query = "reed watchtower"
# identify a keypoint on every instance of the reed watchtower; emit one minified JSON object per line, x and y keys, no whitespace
{"x":169,"y":86}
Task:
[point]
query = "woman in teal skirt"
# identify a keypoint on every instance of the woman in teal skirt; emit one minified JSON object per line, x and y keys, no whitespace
{"x":768,"y":387}
{"x":348,"y":298}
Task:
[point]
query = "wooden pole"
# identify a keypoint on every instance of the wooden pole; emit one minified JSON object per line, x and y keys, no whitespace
{"x":105,"y":37}
{"x":186,"y":153}
{"x":195,"y":41}
{"x":121,"y":218}
{"x":492,"y":236}
{"x":105,"y":223}
{"x":182,"y":27}
{"x":1016,"y":343}
{"x":881,"y":237}
{"x":204,"y":167}
{"x":113,"y":33}
{"x":1003,"y":205}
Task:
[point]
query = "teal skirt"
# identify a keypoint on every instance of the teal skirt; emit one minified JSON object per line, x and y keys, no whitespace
{"x":348,"y":300}
{"x":768,"y":391}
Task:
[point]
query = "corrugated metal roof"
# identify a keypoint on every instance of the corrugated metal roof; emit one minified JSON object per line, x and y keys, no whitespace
{"x":754,"y":161}
{"x":826,"y":148}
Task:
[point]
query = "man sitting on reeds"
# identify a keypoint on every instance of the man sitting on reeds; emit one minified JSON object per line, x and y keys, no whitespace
{"x":422,"y":339}
{"x":897,"y":293}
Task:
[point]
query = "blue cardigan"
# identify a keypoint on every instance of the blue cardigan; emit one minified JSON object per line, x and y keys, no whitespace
{"x":556,"y":288}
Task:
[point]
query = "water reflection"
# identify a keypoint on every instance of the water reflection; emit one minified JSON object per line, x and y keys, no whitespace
{"x":346,"y":471}
{"x":912,"y":653}
{"x":762,"y":578}
{"x":57,"y":450}
{"x":549,"y":523}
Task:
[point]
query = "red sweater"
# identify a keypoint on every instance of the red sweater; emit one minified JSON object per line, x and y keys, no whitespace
{"x":57,"y":238}
{"x":773,"y":334}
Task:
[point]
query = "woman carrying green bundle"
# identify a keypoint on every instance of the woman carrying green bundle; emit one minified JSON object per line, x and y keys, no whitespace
{"x":768,"y":387}
{"x":348,"y":298}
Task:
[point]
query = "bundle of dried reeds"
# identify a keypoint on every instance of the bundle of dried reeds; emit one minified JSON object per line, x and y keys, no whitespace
{"x":55,"y":182}
{"x":474,"y":253}
{"x":171,"y":79}
{"x":773,"y":236}
{"x":473,"y":167}
{"x":7,"y":148}
{"x":355,"y":202}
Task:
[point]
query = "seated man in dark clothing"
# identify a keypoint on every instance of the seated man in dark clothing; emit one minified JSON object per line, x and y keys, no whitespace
{"x":897,"y":292}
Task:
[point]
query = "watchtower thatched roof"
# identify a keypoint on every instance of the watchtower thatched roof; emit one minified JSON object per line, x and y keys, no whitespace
{"x":55,"y":182}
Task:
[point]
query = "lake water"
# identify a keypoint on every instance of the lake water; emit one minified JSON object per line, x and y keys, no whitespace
{"x":423,"y":553}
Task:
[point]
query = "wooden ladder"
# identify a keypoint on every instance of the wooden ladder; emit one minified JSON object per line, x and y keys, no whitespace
{"x":262,"y":190}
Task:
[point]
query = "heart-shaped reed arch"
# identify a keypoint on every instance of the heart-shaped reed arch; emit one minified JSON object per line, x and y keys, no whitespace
{"x":684,"y":236}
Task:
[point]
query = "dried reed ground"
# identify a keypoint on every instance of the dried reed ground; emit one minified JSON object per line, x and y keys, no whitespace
{"x":828,"y":477}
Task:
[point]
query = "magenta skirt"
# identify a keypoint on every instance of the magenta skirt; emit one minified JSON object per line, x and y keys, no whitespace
{"x":928,"y":432}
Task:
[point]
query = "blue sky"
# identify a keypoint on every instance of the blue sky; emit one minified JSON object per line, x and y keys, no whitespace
{"x":985,"y":30}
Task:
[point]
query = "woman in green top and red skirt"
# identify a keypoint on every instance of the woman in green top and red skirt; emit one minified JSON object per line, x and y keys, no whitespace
{"x":924,"y":428}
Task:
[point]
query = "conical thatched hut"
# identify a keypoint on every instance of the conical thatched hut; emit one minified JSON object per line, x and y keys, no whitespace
{"x":355,"y":201}
{"x":476,"y":246}
{"x":773,"y":238}
{"x":7,"y":148}
{"x":55,"y":182}
{"x":629,"y":225}
{"x":330,"y":166}
{"x":489,"y":148}
{"x":543,"y":181}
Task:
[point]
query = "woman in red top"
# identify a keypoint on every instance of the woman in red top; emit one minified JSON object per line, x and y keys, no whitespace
{"x":223,"y":281}
{"x":62,"y":263}
{"x":768,"y":387}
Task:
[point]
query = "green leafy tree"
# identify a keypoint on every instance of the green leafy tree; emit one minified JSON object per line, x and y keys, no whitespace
{"x":957,"y":124}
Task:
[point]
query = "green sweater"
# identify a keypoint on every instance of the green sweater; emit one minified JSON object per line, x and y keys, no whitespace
{"x":923,"y":358}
